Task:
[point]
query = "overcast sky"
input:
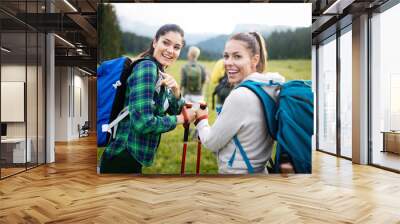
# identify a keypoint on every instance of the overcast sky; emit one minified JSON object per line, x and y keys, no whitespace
{"x":213,"y":17}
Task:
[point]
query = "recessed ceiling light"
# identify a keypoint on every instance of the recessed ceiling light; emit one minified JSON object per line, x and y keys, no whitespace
{"x":64,"y":40}
{"x":5,"y":50}
{"x":337,"y":7}
{"x":71,"y":6}
{"x":86,"y":72}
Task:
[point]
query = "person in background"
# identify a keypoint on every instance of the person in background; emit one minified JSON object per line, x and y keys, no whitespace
{"x":222,"y":88}
{"x":218,"y":71}
{"x":193,"y":77}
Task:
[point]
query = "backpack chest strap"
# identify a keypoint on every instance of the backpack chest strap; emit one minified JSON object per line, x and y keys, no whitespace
{"x":114,"y":123}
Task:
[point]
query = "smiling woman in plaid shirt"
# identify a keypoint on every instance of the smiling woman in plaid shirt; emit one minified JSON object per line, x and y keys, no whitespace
{"x":154,"y":102}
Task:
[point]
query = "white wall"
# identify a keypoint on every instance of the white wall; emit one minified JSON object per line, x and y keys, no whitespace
{"x":13,"y":72}
{"x":70,"y":83}
{"x":12,"y":101}
{"x":33,"y":126}
{"x":80,"y":83}
{"x":17,"y":73}
{"x":61,"y":103}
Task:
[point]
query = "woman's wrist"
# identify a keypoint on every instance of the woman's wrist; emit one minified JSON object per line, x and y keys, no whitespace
{"x":200,"y":118}
{"x":180,"y":119}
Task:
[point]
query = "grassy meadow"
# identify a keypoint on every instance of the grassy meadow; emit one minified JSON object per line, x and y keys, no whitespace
{"x":168,"y":157}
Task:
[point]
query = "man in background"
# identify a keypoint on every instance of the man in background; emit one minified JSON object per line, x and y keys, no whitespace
{"x":193,"y":77}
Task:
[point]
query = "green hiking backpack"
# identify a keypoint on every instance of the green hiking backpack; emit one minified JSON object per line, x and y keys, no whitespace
{"x":193,"y":73}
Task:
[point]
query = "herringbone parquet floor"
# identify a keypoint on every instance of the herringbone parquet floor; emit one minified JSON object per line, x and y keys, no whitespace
{"x":70,"y":191}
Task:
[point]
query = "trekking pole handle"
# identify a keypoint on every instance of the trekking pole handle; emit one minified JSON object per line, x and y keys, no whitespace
{"x":186,"y":123}
{"x":203,"y":105}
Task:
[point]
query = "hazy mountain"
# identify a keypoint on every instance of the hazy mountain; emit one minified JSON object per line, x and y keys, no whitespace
{"x":194,"y":38}
{"x":139,"y":28}
{"x":265,"y":30}
{"x":214,"y":45}
{"x":145,"y":30}
{"x":285,"y":41}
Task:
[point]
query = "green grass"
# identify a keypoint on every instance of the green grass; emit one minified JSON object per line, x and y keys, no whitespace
{"x":291,"y":69}
{"x":169,"y":153}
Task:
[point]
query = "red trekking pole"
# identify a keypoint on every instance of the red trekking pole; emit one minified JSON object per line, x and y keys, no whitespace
{"x":186,"y":125}
{"x":203,"y":106}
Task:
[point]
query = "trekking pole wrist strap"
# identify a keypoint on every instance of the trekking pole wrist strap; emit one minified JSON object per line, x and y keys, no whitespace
{"x":205,"y":116}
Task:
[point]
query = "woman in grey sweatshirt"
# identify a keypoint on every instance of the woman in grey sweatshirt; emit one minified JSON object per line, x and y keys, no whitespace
{"x":242,"y":114}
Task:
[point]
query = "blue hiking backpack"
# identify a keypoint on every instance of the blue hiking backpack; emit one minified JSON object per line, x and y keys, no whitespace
{"x":290,"y":122}
{"x":111,"y":86}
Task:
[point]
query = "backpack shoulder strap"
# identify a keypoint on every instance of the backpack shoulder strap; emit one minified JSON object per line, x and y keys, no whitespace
{"x":269,"y":105}
{"x":120,"y":86}
{"x":137,"y":61}
{"x":243,"y":153}
{"x":185,"y":67}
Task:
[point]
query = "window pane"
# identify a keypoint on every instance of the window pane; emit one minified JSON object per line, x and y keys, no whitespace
{"x":386,"y":88}
{"x":327,"y":97}
{"x":13,"y":84}
{"x":31,"y":97}
{"x":346,"y":94}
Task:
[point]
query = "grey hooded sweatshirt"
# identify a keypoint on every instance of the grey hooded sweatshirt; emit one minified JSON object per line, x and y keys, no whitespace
{"x":241,"y":115}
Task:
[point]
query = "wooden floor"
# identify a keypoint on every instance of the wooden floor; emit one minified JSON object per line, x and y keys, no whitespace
{"x":5,"y":172}
{"x":10,"y":171}
{"x":387,"y":159}
{"x":70,"y":191}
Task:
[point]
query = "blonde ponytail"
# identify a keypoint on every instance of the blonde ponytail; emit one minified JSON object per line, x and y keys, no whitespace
{"x":262,"y":64}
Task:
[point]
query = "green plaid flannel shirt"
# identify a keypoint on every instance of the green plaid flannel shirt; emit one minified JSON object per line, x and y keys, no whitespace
{"x":140,"y":132}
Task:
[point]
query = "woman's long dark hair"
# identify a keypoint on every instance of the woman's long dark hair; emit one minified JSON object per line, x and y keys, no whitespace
{"x":160,"y":32}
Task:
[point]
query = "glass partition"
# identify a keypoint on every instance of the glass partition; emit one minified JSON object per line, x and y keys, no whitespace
{"x":385,"y":87}
{"x":13,"y":95}
{"x":346,"y":93}
{"x":22,"y":87}
{"x":327,"y":96}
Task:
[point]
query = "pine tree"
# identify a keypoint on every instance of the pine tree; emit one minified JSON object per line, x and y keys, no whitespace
{"x":110,"y":35}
